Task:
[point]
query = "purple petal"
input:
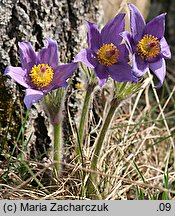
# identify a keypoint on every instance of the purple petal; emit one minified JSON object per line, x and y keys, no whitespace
{"x":159,"y":69}
{"x":27,"y":55}
{"x":110,"y":32}
{"x":18,"y":74}
{"x":32,"y":96}
{"x":151,"y":60}
{"x":123,"y":53}
{"x":156,"y":26}
{"x":87,"y":57}
{"x":101,"y":74}
{"x":62,"y":73}
{"x":49,"y":55}
{"x":94,"y":36}
{"x":139,"y":66}
{"x":137,"y":23}
{"x":121,"y":72}
{"x":129,"y":40}
{"x":165,"y":50}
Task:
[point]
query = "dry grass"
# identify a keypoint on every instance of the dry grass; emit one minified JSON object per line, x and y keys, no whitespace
{"x":137,"y":156}
{"x":142,"y":133}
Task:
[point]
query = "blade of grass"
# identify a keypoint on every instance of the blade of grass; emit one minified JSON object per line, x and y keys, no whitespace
{"x":140,"y":174}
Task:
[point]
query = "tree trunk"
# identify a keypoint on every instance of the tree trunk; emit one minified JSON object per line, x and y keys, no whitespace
{"x":62,"y":20}
{"x":34,"y":21}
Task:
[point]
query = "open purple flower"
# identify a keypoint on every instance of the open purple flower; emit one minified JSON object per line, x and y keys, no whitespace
{"x":40,"y":72}
{"x":105,"y":53}
{"x":147,"y":44}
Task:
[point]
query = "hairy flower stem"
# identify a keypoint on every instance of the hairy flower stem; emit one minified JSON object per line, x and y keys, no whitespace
{"x":83,"y":121}
{"x":57,"y":147}
{"x":81,"y":129}
{"x":92,"y":181}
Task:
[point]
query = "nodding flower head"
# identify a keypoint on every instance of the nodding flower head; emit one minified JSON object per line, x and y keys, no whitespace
{"x":40,"y":72}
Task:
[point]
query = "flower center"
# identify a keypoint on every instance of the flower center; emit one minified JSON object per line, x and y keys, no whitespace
{"x":148,"y":47}
{"x":41,"y":75}
{"x":108,"y":54}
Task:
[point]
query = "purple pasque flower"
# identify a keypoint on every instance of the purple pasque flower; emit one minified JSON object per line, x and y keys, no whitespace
{"x":105,"y":53}
{"x":147,"y":44}
{"x":40,"y":72}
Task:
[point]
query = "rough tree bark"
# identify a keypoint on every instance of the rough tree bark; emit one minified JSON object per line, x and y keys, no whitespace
{"x":62,"y":20}
{"x":33,"y":21}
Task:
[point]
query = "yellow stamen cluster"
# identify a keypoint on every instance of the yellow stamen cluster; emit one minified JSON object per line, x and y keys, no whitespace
{"x":148,"y":47}
{"x":41,"y":75}
{"x":108,"y":54}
